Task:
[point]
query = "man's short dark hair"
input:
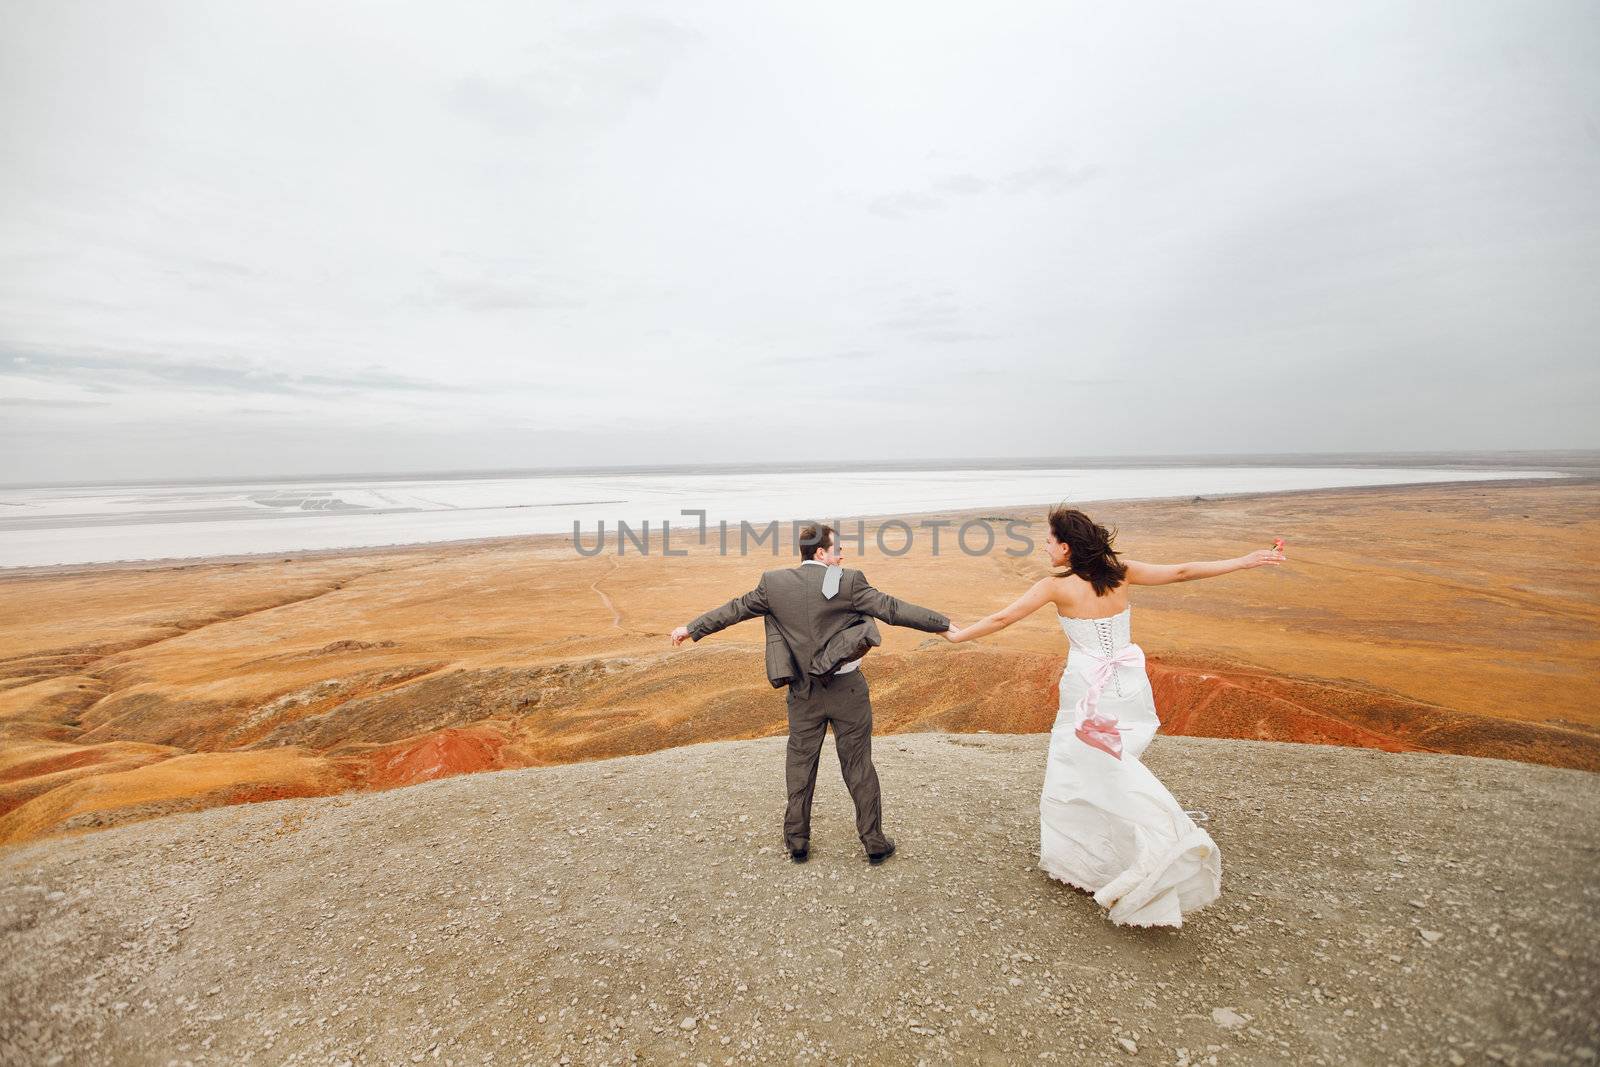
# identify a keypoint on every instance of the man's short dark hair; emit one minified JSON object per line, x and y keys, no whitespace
{"x":813,"y":535}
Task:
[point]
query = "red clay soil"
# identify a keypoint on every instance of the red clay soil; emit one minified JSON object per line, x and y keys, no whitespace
{"x":436,"y":755}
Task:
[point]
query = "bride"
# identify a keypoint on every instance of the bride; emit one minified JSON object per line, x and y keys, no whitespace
{"x":1106,"y":824}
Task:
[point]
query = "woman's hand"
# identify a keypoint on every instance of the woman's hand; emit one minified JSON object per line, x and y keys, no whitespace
{"x":1264,"y":557}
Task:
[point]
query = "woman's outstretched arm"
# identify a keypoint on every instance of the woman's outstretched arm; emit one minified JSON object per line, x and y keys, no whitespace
{"x":1167,"y":573}
{"x":1025,"y":605}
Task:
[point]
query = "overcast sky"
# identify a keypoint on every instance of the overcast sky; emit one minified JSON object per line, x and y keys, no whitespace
{"x":249,"y":238}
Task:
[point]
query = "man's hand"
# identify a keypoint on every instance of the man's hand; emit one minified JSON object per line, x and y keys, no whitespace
{"x":953,"y":634}
{"x":679,"y":636}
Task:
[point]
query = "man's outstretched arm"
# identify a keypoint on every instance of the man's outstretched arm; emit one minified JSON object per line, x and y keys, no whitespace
{"x":738,"y":609}
{"x":869,"y":601}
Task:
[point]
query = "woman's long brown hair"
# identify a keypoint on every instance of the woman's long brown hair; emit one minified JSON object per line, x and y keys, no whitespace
{"x":1093,"y":559}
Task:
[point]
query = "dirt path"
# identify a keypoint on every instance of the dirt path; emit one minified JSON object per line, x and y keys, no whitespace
{"x":605,"y":598}
{"x":1377,"y":908}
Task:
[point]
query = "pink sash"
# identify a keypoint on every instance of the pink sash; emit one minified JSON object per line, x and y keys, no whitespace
{"x":1093,"y":729}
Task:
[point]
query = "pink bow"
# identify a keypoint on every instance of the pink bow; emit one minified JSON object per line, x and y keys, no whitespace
{"x":1093,"y":729}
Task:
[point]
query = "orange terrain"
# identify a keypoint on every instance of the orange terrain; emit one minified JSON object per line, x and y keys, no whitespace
{"x":1457,"y":619}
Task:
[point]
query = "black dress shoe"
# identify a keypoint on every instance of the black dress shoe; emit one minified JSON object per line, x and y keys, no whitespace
{"x":800,"y":855}
{"x":876,"y":858}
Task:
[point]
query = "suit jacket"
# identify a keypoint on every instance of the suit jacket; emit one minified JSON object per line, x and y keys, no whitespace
{"x":808,"y":635}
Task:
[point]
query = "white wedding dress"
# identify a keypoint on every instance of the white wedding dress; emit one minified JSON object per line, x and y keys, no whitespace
{"x":1106,"y":824}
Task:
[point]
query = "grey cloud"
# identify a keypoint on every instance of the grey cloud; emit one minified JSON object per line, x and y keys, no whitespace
{"x":935,"y":317}
{"x":851,"y":354}
{"x":962,"y":184}
{"x":46,"y":402}
{"x":203,"y":273}
{"x":921,"y":312}
{"x":637,"y":36}
{"x":903,"y":204}
{"x":953,"y":337}
{"x":497,"y":296}
{"x":474,"y":281}
{"x":1045,"y":178}
{"x":144,"y":371}
{"x":506,"y":107}
{"x":595,"y":73}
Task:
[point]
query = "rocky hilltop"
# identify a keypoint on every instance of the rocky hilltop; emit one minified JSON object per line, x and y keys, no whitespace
{"x":1377,"y":908}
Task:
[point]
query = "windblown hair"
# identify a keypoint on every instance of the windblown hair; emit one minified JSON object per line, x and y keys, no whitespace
{"x":812,"y":536}
{"x":1093,"y":559}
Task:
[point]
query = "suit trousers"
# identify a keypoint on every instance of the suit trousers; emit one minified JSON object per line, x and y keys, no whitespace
{"x":844,"y":701}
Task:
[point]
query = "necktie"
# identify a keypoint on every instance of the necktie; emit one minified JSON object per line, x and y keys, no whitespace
{"x":830,"y":582}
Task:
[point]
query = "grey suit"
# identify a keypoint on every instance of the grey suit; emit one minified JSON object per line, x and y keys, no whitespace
{"x":808,"y":638}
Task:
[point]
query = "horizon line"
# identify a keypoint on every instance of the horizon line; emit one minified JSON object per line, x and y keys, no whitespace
{"x":1376,"y":458}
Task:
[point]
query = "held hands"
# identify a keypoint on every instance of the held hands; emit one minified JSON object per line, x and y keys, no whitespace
{"x":953,"y":635}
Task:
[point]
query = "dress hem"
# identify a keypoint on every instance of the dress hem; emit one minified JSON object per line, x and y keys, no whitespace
{"x":1115,"y":922}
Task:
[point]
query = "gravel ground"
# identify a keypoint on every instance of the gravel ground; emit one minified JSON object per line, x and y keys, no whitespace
{"x":1376,"y":908}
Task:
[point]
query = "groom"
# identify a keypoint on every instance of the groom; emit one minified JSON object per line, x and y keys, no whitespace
{"x":818,"y":629}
